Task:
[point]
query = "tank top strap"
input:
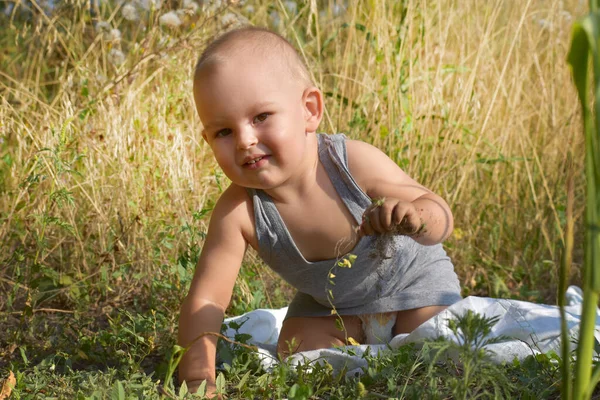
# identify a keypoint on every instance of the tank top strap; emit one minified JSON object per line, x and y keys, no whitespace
{"x":265,"y":217}
{"x":334,"y":158}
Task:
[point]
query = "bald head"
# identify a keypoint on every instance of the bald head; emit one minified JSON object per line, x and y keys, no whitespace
{"x":255,"y":42}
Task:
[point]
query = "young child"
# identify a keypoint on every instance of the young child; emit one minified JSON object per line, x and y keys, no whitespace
{"x":306,"y":202}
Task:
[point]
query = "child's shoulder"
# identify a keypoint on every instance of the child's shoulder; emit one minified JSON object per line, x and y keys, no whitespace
{"x":364,"y":157}
{"x":372,"y":169}
{"x":234,"y":208}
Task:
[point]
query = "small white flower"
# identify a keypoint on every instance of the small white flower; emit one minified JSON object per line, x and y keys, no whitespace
{"x":102,"y":27}
{"x":291,"y":6}
{"x":249,"y":9}
{"x":229,"y":19}
{"x":116,"y":57}
{"x":129,"y":12}
{"x":190,"y":5}
{"x":211,"y":6}
{"x":170,"y":19}
{"x":107,"y":32}
{"x":114,"y":34}
{"x":148,"y":5}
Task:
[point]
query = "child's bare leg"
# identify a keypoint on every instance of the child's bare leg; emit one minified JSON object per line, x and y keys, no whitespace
{"x":311,"y":333}
{"x":408,"y":320}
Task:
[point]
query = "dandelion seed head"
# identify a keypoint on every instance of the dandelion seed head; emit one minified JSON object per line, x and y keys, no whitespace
{"x":116,"y":57}
{"x":190,"y":5}
{"x":170,"y":19}
{"x":229,"y":19}
{"x":213,"y":5}
{"x":129,"y":12}
{"x":113,"y":35}
{"x":102,"y":27}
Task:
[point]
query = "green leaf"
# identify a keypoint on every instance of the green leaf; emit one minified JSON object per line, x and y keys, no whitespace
{"x":201,"y":389}
{"x":183,"y":390}
{"x":220,"y":383}
{"x":240,"y":385}
{"x":300,"y":392}
{"x":578,"y":59}
{"x":338,"y":324}
{"x":118,"y":392}
{"x":293,"y":390}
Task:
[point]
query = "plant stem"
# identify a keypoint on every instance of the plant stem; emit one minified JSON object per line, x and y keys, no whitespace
{"x":563,"y":283}
{"x":585,"y":346}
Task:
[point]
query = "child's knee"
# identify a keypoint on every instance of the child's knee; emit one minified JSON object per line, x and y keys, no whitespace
{"x":303,"y":334}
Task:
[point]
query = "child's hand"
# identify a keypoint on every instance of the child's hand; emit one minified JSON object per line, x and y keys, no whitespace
{"x":391,"y":215}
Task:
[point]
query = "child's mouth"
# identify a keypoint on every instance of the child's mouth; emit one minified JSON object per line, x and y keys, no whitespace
{"x":256,"y":163}
{"x":255,"y":160}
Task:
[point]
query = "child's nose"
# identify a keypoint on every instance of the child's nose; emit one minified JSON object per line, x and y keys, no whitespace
{"x":246,"y":138}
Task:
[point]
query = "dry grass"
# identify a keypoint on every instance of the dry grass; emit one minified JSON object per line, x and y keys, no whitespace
{"x":103,"y":166}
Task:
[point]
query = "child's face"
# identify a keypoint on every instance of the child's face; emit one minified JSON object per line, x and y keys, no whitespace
{"x":255,"y":120}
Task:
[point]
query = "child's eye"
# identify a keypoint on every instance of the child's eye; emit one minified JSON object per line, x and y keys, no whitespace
{"x":261,"y":118}
{"x":223,"y":132}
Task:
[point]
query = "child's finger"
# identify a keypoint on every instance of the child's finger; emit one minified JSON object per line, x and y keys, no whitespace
{"x":366,"y":228}
{"x":376,"y":220}
{"x":386,"y":216}
{"x":399,"y":214}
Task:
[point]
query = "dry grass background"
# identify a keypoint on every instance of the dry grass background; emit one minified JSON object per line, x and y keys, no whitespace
{"x":106,"y":185}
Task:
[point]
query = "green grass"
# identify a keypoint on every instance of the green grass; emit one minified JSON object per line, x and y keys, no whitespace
{"x":106,"y":187}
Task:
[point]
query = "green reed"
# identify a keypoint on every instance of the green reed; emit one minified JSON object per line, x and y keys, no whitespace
{"x":584,"y":43}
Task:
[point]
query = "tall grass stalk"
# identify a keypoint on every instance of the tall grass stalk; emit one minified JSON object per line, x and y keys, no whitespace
{"x":585,"y":40}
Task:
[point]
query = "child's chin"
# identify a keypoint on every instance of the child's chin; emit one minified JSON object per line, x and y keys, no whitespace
{"x":261,"y":185}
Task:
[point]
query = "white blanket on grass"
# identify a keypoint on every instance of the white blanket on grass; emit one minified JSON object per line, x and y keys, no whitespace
{"x":524,"y":328}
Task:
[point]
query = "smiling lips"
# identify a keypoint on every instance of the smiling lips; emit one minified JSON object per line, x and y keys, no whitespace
{"x":253,"y":162}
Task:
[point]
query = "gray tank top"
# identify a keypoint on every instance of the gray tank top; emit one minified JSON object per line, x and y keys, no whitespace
{"x":390,"y":272}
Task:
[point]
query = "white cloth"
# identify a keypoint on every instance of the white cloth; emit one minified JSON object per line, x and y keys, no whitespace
{"x":527,"y":328}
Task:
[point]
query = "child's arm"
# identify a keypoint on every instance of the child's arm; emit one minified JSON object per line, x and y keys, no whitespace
{"x":211,"y":288}
{"x":401,"y":204}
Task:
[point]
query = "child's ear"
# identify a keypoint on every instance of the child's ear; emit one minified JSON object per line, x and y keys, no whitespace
{"x":312,"y":98}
